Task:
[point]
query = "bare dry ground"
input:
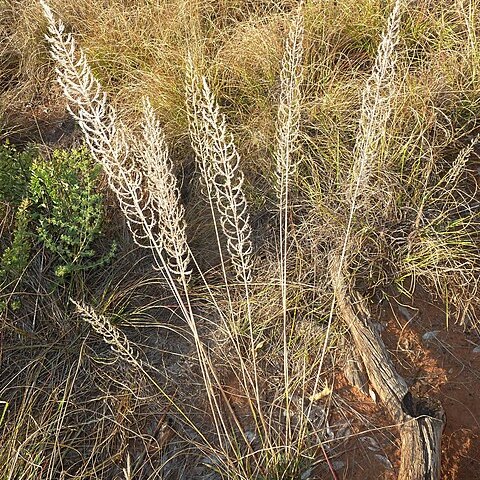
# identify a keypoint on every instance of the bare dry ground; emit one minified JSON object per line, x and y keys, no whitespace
{"x":438,"y":361}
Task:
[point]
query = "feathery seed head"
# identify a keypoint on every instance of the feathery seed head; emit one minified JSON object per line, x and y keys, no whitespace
{"x":218,"y":161}
{"x":117,"y":340}
{"x":289,"y":109}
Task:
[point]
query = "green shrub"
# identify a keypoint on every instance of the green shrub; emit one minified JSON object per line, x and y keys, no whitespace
{"x":15,"y":258}
{"x":56,"y":204}
{"x":14,"y":173}
{"x":15,"y":168}
{"x":68,"y":211}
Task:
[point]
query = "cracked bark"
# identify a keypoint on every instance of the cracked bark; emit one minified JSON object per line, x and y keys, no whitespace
{"x":420,"y":421}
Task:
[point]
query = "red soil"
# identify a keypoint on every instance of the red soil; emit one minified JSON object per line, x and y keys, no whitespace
{"x":446,"y":368}
{"x":441,"y":365}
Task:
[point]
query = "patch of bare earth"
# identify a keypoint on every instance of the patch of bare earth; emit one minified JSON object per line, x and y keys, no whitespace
{"x":370,"y":450}
{"x":438,"y":361}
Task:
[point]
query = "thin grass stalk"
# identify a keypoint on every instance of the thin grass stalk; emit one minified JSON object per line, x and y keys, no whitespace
{"x":201,"y":143}
{"x":377,"y":99}
{"x":63,"y":407}
{"x":288,"y":129}
{"x":141,"y":206}
{"x":201,"y":147}
{"x":218,"y":162}
{"x":449,"y":182}
{"x":471,"y":49}
{"x":227,"y":179}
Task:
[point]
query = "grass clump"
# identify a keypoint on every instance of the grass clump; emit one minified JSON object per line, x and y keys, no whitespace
{"x":140,"y":173}
{"x":350,"y":143}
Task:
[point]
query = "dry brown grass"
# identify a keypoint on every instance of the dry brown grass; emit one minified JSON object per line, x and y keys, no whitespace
{"x":265,"y":350}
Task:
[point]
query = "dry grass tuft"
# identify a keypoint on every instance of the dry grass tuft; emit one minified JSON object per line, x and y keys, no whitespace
{"x":283,"y":133}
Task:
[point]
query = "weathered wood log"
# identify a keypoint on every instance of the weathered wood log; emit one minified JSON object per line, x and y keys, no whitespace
{"x":353,"y":367}
{"x":420,"y":421}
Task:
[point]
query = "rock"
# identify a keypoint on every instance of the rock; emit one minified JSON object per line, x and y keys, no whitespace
{"x":429,"y":336}
{"x":407,"y":312}
{"x":306,"y":474}
{"x":384,"y":461}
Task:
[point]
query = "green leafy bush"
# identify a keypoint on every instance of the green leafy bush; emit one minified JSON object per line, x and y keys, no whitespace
{"x":14,"y":173}
{"x":68,"y":211}
{"x":56,"y":204}
{"x":15,"y":169}
{"x":15,"y":258}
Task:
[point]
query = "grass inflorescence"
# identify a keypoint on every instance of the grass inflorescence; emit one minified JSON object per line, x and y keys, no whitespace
{"x":170,"y":283}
